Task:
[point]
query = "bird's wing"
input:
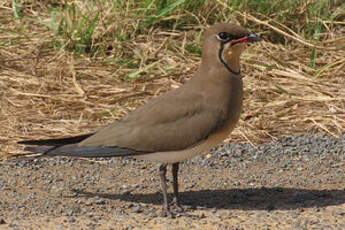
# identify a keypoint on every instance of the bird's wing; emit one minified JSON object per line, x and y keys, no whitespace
{"x":173,"y":121}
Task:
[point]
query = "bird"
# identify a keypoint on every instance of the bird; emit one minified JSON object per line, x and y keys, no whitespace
{"x":177,"y":125}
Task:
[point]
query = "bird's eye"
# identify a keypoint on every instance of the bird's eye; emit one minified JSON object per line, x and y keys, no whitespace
{"x":223,"y":36}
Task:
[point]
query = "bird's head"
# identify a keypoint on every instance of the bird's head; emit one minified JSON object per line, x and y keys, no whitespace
{"x":224,"y":42}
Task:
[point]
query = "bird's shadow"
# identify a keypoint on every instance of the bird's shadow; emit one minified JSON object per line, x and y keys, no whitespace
{"x":276,"y":198}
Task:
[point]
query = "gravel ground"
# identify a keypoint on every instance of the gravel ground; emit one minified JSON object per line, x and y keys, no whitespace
{"x":294,"y":183}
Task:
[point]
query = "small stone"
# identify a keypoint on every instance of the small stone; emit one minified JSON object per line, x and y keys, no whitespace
{"x":153,"y":215}
{"x":129,"y":226}
{"x":69,"y":212}
{"x":100,"y":201}
{"x":11,"y":225}
{"x":201,"y":215}
{"x":136,"y":209}
{"x":71,"y":219}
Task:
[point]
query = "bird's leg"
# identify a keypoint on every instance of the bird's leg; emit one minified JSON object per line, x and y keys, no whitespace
{"x":176,"y":200}
{"x":162,"y":174}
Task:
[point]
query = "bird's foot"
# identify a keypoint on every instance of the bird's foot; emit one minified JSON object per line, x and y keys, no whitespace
{"x":175,"y":202}
{"x":177,"y":211}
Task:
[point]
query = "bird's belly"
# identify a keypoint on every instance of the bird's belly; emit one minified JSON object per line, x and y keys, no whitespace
{"x":182,"y":155}
{"x":171,"y":156}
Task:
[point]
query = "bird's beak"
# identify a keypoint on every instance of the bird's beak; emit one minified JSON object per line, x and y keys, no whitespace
{"x":253,"y":38}
{"x":248,"y":38}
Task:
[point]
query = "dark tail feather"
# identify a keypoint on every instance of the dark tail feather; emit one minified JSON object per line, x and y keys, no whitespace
{"x":38,"y":149}
{"x":73,"y":150}
{"x":57,"y":141}
{"x":69,"y":147}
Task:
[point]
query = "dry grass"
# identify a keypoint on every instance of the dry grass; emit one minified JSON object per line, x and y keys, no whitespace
{"x":48,"y":92}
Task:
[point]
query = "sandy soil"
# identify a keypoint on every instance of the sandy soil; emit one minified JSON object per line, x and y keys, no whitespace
{"x":236,"y":187}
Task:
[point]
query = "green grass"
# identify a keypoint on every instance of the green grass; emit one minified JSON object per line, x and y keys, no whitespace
{"x":82,"y":27}
{"x":95,"y":27}
{"x":193,"y":48}
{"x":74,"y":28}
{"x":16,"y":9}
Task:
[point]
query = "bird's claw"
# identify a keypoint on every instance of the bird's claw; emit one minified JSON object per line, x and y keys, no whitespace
{"x":177,"y":205}
{"x":178,"y":210}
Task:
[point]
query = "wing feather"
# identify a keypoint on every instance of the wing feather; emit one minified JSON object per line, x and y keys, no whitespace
{"x":171,"y":122}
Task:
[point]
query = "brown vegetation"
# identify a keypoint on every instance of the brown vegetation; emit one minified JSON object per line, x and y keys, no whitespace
{"x":49,"y":91}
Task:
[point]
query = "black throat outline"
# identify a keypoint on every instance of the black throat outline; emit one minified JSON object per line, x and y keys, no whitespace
{"x":220,"y":56}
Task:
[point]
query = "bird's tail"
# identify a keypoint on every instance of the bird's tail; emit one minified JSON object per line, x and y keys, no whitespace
{"x":69,"y":147}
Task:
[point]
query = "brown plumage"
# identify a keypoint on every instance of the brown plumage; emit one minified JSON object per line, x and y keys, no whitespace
{"x":178,"y":124}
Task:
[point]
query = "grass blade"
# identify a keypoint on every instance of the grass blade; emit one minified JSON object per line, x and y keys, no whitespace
{"x":149,"y":21}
